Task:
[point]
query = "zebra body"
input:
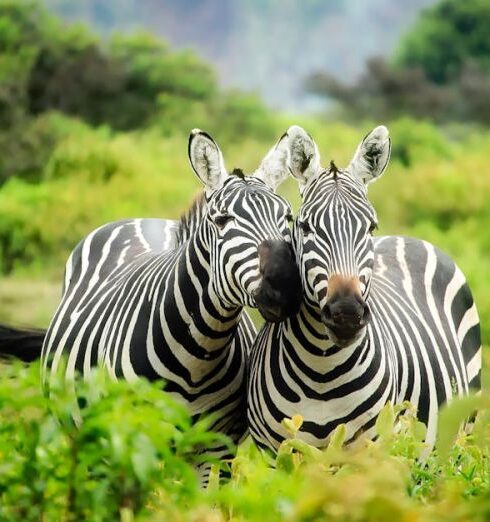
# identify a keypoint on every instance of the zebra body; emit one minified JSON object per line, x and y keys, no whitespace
{"x":409,"y":352}
{"x":164,"y":299}
{"x":383,"y":319}
{"x":119,"y":283}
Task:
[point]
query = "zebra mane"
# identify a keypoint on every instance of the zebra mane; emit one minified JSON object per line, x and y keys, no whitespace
{"x":193,"y":215}
{"x":191,"y":218}
{"x":238,"y":173}
{"x":333,"y":169}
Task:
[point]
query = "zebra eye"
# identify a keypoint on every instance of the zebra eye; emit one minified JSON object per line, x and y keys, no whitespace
{"x":305,"y":227}
{"x":373,"y":227}
{"x":222,"y":219}
{"x":289,"y":218}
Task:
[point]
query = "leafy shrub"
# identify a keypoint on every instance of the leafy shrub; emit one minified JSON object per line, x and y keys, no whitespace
{"x":132,"y":440}
{"x":132,"y":451}
{"x":28,"y":144}
{"x":131,"y":458}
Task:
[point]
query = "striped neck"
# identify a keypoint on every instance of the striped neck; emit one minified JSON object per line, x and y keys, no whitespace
{"x":205,"y":323}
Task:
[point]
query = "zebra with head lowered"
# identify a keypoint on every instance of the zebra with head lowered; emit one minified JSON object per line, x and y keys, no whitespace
{"x":382,"y":319}
{"x":164,"y":300}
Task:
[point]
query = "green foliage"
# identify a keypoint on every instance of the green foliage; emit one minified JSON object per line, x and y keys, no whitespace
{"x":27,"y":146}
{"x":445,"y":37}
{"x":232,"y":115}
{"x":131,"y":442}
{"x":131,"y":456}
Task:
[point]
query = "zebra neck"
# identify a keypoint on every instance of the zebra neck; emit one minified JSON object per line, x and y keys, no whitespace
{"x":190,"y":300}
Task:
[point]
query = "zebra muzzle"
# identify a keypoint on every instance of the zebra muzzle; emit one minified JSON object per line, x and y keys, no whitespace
{"x":345,"y":317}
{"x":279,"y":294}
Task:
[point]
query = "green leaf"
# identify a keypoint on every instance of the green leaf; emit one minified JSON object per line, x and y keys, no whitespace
{"x":143,"y":458}
{"x":451,"y":418}
{"x":385,"y":421}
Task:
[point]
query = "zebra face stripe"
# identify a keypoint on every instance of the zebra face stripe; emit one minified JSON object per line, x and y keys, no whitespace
{"x":332,"y":238}
{"x":242,"y":216}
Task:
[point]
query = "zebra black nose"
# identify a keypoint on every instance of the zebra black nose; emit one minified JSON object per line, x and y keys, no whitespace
{"x":346,"y":316}
{"x":279,"y":295}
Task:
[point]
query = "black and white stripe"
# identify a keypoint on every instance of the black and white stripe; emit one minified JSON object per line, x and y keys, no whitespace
{"x":405,"y":326}
{"x":164,"y":300}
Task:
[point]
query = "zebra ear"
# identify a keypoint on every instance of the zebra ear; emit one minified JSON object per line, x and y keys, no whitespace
{"x":372,"y":155}
{"x":304,"y":160}
{"x":206,"y":160}
{"x":274,"y":168}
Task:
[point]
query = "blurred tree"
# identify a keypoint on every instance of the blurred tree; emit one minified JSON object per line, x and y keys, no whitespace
{"x":151,"y":70}
{"x":44,"y":66}
{"x":384,"y":92}
{"x":127,"y":83}
{"x":441,"y":71}
{"x":445,"y":37}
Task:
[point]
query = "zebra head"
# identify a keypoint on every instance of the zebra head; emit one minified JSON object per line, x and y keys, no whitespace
{"x":332,"y":233}
{"x":247,"y":230}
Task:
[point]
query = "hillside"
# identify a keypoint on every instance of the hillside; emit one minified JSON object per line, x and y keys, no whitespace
{"x":263,"y":45}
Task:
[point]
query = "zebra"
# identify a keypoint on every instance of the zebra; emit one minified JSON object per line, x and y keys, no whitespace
{"x":382,"y":319}
{"x":164,"y":299}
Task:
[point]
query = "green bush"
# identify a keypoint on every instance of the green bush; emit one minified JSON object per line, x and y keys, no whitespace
{"x":134,"y":447}
{"x":131,"y":456}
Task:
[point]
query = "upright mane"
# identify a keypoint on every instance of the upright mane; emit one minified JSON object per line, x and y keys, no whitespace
{"x":191,"y":218}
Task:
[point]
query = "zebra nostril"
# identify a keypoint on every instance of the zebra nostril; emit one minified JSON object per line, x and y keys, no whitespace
{"x":352,"y":313}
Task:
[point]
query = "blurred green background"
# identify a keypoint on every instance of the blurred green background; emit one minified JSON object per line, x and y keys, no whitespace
{"x":94,"y":128}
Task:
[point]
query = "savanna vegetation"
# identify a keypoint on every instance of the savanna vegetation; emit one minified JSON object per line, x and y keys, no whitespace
{"x":93,"y":131}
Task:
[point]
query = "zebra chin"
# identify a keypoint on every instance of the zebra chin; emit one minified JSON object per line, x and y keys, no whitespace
{"x":343,"y":338}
